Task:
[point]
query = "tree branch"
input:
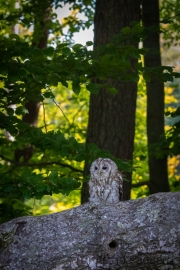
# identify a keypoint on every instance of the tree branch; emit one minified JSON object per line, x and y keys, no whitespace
{"x":41,"y":164}
{"x":143,"y":183}
{"x":137,"y":234}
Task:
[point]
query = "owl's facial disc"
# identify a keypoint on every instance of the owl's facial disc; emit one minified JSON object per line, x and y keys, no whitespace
{"x":103,"y":169}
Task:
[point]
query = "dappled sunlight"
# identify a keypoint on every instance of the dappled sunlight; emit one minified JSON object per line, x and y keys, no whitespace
{"x":69,"y":112}
{"x":169,"y":97}
{"x":174,"y":167}
{"x":55,"y":203}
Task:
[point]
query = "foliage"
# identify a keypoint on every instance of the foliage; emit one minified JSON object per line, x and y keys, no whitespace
{"x":171,"y":22}
{"x":140,"y":155}
{"x":27,"y":12}
{"x":11,"y":208}
{"x":169,"y":146}
{"x":55,"y":203}
{"x":31,"y":74}
{"x":60,"y":76}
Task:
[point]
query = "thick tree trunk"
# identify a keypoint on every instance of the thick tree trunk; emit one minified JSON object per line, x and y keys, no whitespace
{"x":112,"y":117}
{"x":141,"y":234}
{"x":155,"y":102}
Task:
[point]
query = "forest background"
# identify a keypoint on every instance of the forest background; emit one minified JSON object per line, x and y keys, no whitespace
{"x":42,"y":155}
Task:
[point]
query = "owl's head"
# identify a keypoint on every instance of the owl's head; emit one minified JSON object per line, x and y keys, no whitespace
{"x":103,"y":168}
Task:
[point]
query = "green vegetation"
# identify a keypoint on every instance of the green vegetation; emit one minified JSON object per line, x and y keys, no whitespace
{"x":58,"y":78}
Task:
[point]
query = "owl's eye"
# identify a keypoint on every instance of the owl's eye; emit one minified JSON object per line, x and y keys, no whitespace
{"x":104,"y":167}
{"x":96,"y":168}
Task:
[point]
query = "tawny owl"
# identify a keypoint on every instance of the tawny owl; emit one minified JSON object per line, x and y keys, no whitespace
{"x":106,"y":183}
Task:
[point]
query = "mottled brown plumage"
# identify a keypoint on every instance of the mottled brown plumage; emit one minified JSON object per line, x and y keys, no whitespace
{"x":106,"y":183}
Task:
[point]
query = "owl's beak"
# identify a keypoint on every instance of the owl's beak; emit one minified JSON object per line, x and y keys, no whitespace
{"x":99,"y":172}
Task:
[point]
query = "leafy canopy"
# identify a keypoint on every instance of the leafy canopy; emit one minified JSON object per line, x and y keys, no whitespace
{"x":31,"y":74}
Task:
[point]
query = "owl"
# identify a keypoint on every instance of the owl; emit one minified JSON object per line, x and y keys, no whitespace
{"x":106,"y":183}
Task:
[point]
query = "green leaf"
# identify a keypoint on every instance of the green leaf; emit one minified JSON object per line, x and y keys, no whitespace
{"x":48,"y":94}
{"x":76,"y":87}
{"x":142,"y":51}
{"x":54,"y":176}
{"x":64,"y":83}
{"x":80,"y":66}
{"x":135,"y":77}
{"x":93,"y":147}
{"x":49,"y":51}
{"x":137,"y":29}
{"x":60,"y":46}
{"x":21,"y":110}
{"x":23,"y":72}
{"x":112,"y":90}
{"x":87,"y":2}
{"x":124,"y":166}
{"x":40,"y":188}
{"x":66,"y":51}
{"x":166,"y":21}
{"x":55,"y":79}
{"x":10,"y":111}
{"x":93,"y":88}
{"x":126,"y":30}
{"x":143,"y":157}
{"x":138,"y":66}
{"x":147,"y":77}
{"x":176,"y":74}
{"x":39,"y":195}
{"x":37,"y":53}
{"x":14,"y":36}
{"x":167,"y":77}
{"x":77,"y":47}
{"x":89,"y":43}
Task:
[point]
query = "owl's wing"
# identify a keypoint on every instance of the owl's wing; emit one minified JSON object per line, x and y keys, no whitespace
{"x":120,"y":180}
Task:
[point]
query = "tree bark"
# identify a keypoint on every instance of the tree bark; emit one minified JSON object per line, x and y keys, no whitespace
{"x":141,"y":234}
{"x":112,"y":117}
{"x":155,"y":102}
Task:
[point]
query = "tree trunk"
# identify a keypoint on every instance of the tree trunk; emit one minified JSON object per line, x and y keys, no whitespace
{"x":155,"y":102}
{"x":40,"y":37}
{"x":112,"y":117}
{"x":141,"y":234}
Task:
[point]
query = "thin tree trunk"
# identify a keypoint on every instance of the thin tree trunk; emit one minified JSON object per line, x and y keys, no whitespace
{"x":112,"y":117}
{"x":141,"y":234}
{"x":155,"y":101}
{"x":40,"y":37}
